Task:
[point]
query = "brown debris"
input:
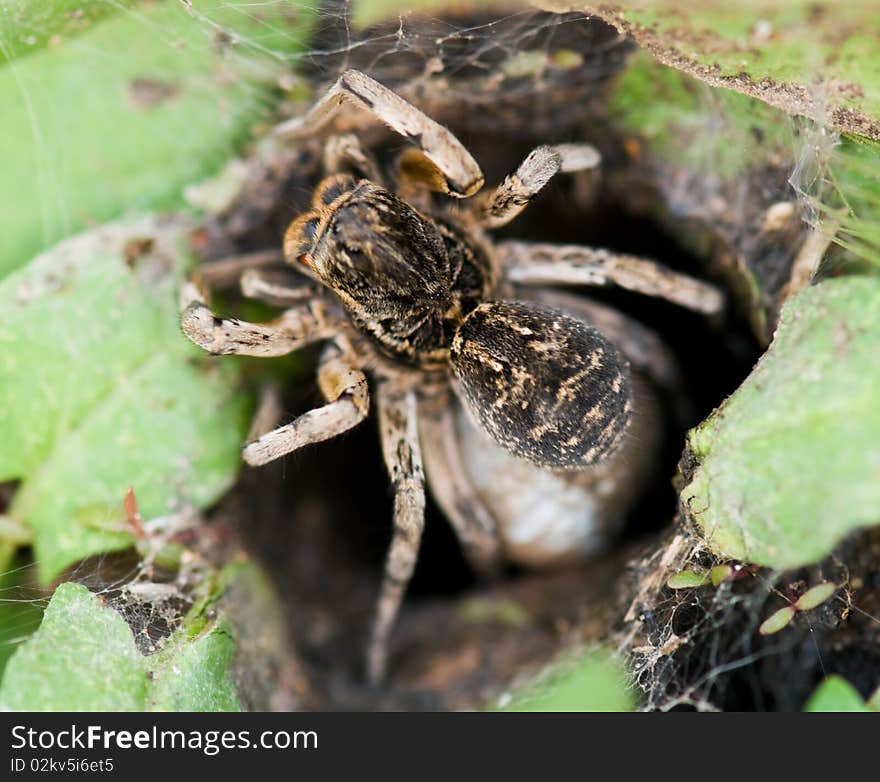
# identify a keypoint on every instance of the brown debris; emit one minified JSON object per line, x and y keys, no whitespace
{"x":148,"y":93}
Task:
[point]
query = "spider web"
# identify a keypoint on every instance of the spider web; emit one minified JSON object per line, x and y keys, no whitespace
{"x":153,"y":598}
{"x":703,"y":648}
{"x":523,"y":73}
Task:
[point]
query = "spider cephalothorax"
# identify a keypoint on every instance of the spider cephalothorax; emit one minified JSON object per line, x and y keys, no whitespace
{"x":419,"y":296}
{"x":405,"y":279}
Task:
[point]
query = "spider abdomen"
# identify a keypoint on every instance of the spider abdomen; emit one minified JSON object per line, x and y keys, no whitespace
{"x":546,"y":386}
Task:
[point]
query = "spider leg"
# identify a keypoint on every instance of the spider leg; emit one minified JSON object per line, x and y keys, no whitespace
{"x":345,"y":389}
{"x":400,"y":446}
{"x":461,"y":176}
{"x":539,"y":167}
{"x":529,"y":263}
{"x":226,"y":272}
{"x":268,"y":412}
{"x":272,"y":289}
{"x":474,"y":524}
{"x":290,"y":331}
{"x":344,"y":153}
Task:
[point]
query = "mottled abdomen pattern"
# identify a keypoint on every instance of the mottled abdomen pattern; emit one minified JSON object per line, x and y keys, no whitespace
{"x":546,"y":386}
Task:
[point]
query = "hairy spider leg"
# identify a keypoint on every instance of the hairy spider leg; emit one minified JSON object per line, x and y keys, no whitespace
{"x":539,"y":167}
{"x":532,"y":263}
{"x":400,"y":447}
{"x":290,"y":331}
{"x":462,"y":176}
{"x":272,"y":288}
{"x":344,"y":388}
{"x":343,"y":152}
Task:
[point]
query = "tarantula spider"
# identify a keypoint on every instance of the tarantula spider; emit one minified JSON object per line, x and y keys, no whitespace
{"x":419,"y":297}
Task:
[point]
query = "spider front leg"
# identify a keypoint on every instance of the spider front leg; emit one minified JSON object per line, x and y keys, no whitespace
{"x":452,"y":488}
{"x":290,"y":331}
{"x":461,"y":175}
{"x":531,"y":263}
{"x":344,"y":388}
{"x":539,"y":167}
{"x":344,"y":153}
{"x":274,"y":289}
{"x":400,"y":447}
{"x":226,"y":272}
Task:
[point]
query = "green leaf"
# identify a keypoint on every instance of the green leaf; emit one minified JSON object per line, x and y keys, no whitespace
{"x":99,"y":390}
{"x":790,"y":464}
{"x":122,"y":115}
{"x":687,"y":579}
{"x":710,"y":133}
{"x":26,"y":26}
{"x":20,"y":610}
{"x":815,"y":596}
{"x":836,"y":694}
{"x":594,"y":682}
{"x":720,"y":573}
{"x":777,"y":621}
{"x":848,"y":196}
{"x":194,"y":675}
{"x":84,"y":658}
{"x":774,"y":51}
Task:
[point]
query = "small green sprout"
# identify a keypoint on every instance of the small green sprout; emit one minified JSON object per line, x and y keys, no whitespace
{"x":810,"y":599}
